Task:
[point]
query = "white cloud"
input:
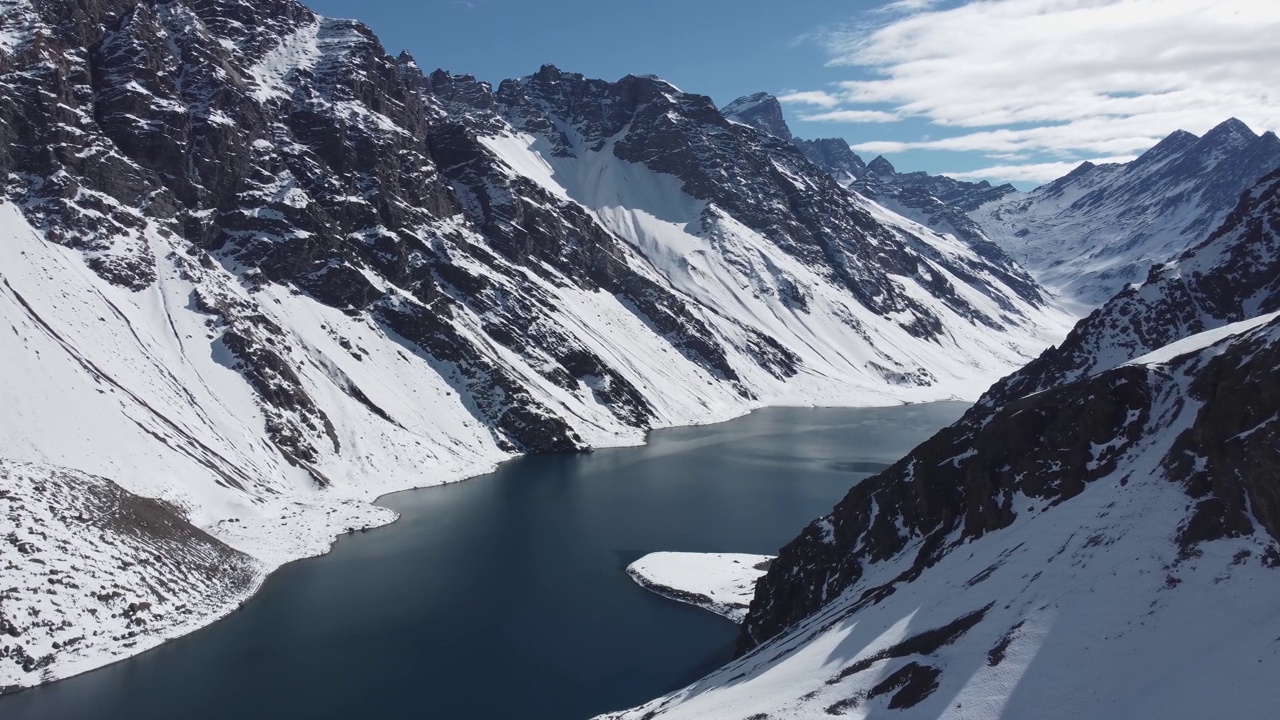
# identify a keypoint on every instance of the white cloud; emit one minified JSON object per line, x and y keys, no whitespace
{"x":853,"y":116}
{"x":1032,"y":172}
{"x":909,"y":5}
{"x":811,"y":97}
{"x":1109,"y":135}
{"x":1067,"y":77}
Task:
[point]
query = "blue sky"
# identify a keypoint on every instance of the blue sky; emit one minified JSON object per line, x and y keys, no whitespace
{"x":1017,"y":90}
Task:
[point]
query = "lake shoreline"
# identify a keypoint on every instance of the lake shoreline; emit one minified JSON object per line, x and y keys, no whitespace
{"x":381,"y":517}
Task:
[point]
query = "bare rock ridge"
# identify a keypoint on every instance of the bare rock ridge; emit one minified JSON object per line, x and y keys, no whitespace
{"x":934,"y":200}
{"x":761,"y":111}
{"x":937,"y":202}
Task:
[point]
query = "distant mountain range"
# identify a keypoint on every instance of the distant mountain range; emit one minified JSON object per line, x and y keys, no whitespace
{"x":1084,"y":236}
{"x":1091,"y":233}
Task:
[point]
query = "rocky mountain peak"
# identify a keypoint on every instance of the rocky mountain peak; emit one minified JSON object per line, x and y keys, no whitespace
{"x":1231,"y":129}
{"x":835,"y":155}
{"x":761,"y":111}
{"x":406,"y":59}
{"x":463,"y":90}
{"x":548,"y":74}
{"x":1081,"y":169}
{"x":937,"y":202}
{"x":882,"y":167}
{"x":1176,"y":143}
{"x":1071,"y":179}
{"x":1229,"y":138}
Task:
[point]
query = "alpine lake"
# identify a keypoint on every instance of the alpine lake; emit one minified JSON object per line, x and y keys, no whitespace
{"x":505,"y":596}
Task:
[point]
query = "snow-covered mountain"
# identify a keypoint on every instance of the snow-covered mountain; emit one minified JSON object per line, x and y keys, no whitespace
{"x":1092,"y":232}
{"x":940,"y":203}
{"x":1098,"y":537}
{"x":258,"y":272}
{"x":936,"y":201}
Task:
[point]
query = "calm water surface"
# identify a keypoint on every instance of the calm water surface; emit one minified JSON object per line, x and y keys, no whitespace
{"x":504,"y":597}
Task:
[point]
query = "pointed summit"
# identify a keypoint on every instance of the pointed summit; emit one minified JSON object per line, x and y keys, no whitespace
{"x":548,"y":73}
{"x":1081,"y":169}
{"x":1176,"y":143}
{"x":882,"y":167}
{"x":1228,"y":137}
{"x":761,"y":111}
{"x":464,"y":90}
{"x":1231,"y":128}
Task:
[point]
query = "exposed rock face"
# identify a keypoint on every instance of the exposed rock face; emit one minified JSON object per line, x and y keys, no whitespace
{"x":938,"y":202}
{"x":761,"y":111}
{"x":1100,"y":227}
{"x":935,"y":201}
{"x":957,"y":486}
{"x":836,"y":157}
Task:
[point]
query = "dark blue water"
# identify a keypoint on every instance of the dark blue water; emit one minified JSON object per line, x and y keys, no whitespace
{"x":504,"y":596}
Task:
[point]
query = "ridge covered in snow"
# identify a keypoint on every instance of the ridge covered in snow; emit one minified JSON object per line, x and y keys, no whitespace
{"x":1092,"y":232}
{"x":935,"y":201}
{"x":1098,"y":537}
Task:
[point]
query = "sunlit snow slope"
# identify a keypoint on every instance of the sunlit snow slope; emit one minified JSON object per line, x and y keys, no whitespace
{"x":1098,"y":537}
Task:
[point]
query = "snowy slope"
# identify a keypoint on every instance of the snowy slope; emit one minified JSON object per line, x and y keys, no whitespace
{"x":372,"y":280}
{"x":720,"y":582}
{"x":743,"y":278}
{"x":1089,"y":234}
{"x":1202,"y":340}
{"x":1098,"y":537}
{"x":1232,"y":276}
{"x":1139,"y":592}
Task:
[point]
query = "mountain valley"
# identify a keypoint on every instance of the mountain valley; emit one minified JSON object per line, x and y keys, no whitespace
{"x":257,"y":272}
